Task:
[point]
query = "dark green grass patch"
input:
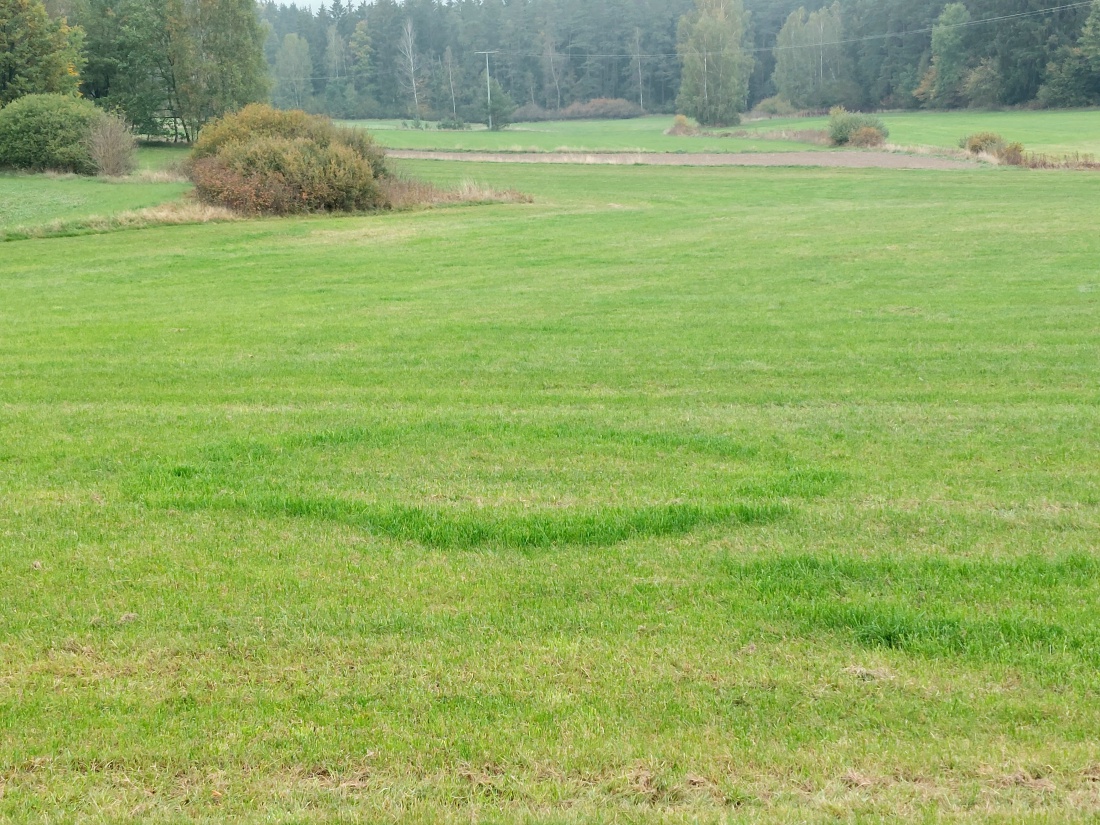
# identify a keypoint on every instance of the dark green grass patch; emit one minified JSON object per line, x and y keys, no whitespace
{"x":990,"y":611}
{"x":541,"y":500}
{"x":462,"y":530}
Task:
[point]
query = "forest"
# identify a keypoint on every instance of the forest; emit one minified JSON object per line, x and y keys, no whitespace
{"x":864,"y":54}
{"x":427,"y":59}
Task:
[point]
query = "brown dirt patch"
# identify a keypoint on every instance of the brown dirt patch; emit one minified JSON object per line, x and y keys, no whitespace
{"x":836,"y":160}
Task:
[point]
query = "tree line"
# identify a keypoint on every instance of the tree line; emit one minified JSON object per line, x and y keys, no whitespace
{"x":397,"y":59}
{"x":171,"y":65}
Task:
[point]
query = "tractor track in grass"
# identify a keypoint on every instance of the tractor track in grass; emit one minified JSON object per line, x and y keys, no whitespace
{"x":837,"y":160}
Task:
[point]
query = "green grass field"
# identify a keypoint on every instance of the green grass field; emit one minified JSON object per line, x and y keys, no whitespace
{"x":1051,"y":132}
{"x":1054,"y":132}
{"x":679,"y":495}
{"x":33,"y":200}
{"x":645,"y":134}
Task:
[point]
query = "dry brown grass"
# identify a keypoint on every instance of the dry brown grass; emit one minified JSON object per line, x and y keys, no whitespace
{"x":929,"y":151}
{"x":167,"y":175}
{"x":410,"y":193}
{"x":1075,"y":161}
{"x":168,"y":214}
{"x":815,"y":137}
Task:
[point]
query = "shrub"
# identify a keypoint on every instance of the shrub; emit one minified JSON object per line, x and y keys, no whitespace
{"x":601,"y":108}
{"x":843,"y":124}
{"x":262,"y":160}
{"x":867,"y":137}
{"x":532,"y":113}
{"x":39,"y":132}
{"x":983,"y":142}
{"x":259,"y":120}
{"x":111,"y":145}
{"x":775,"y":106}
{"x":1011,"y":154}
{"x":281,"y":176}
{"x":453,"y":124}
{"x":682,"y":127}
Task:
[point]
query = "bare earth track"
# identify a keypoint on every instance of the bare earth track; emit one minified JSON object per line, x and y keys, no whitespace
{"x":840,"y":160}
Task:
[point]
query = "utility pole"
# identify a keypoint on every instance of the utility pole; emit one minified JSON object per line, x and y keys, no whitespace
{"x":488,"y":87}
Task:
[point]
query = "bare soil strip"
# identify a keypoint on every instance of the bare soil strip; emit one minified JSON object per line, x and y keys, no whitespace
{"x":841,"y":160}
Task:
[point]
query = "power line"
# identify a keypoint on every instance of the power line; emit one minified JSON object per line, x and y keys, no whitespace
{"x":884,"y":36}
{"x":763,"y":49}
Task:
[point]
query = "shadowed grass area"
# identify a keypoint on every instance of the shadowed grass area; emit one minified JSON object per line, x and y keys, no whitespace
{"x":924,"y":606}
{"x":441,"y":529}
{"x":224,"y":477}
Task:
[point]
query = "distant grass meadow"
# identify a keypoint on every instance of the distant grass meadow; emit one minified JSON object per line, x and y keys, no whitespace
{"x":678,"y":495}
{"x":1059,"y":132}
{"x":645,"y":134}
{"x":1052,"y":132}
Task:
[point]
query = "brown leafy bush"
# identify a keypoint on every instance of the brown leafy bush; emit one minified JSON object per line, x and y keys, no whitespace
{"x":259,"y":120}
{"x":111,"y":146}
{"x":600,"y":108}
{"x":983,"y":143}
{"x":867,"y":137}
{"x":265,"y":161}
{"x":532,"y":113}
{"x":1011,"y":154}
{"x":682,"y":127}
{"x":280,"y":176}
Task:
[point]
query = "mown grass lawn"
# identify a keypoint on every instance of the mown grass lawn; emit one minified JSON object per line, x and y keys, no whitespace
{"x":677,"y":495}
{"x":35,"y":200}
{"x":1056,"y":132}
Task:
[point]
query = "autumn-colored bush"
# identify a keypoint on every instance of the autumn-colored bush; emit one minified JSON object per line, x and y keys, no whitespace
{"x":867,"y":137}
{"x":259,"y":120}
{"x":682,"y":127}
{"x":600,"y":108}
{"x":983,"y":143}
{"x":844,"y":124}
{"x":265,"y":161}
{"x":1011,"y":154}
{"x":272,"y":175}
